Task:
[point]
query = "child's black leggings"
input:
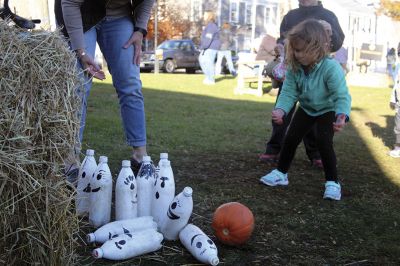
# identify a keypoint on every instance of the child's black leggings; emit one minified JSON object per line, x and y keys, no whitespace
{"x":302,"y":123}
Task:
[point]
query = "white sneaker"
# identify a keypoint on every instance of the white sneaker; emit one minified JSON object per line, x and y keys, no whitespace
{"x":275,"y":178}
{"x":208,"y":82}
{"x":395,"y":153}
{"x":333,"y":190}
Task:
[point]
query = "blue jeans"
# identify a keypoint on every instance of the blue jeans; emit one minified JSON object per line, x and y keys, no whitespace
{"x":111,"y":34}
{"x":228,"y":56}
{"x":207,"y":63}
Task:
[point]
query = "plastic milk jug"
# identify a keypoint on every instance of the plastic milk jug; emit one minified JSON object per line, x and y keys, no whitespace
{"x":178,"y":214}
{"x":101,"y":194}
{"x":199,"y":244}
{"x":125,"y":193}
{"x":163,"y":157}
{"x":163,"y":191}
{"x":127,"y":246}
{"x":86,"y":171}
{"x":145,"y":183}
{"x":107,"y":231}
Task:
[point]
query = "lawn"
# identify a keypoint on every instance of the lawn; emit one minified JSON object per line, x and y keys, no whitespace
{"x":213,"y":138}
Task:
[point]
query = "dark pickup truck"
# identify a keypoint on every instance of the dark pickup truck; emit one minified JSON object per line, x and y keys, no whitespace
{"x":175,"y":54}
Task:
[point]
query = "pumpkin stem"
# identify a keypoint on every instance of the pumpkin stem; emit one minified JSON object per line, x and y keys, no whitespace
{"x":225,"y":231}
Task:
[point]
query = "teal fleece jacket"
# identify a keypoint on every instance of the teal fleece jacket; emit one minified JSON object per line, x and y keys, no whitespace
{"x":322,"y":90}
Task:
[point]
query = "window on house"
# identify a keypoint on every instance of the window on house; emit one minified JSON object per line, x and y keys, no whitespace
{"x":234,"y":12}
{"x":196,"y":10}
{"x":267,"y":15}
{"x":270,"y":15}
{"x":248,"y":13}
{"x":275,"y":14}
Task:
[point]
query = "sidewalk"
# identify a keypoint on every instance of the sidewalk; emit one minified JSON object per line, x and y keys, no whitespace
{"x":369,"y":79}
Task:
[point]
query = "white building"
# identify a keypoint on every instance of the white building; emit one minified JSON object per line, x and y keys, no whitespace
{"x":254,"y":18}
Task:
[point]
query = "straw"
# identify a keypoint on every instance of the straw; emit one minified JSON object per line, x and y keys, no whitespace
{"x":38,"y":125}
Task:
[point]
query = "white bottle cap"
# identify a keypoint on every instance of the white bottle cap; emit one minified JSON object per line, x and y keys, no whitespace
{"x":89,"y":152}
{"x":126,"y":163}
{"x":188,"y":191}
{"x":90,"y":238}
{"x":213,"y":261}
{"x":163,"y":155}
{"x":103,"y":159}
{"x":166,"y":163}
{"x":97,"y":253}
{"x":146,"y":159}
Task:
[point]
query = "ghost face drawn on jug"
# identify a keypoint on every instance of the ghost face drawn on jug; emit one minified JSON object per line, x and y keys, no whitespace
{"x":202,"y":244}
{"x":175,"y":210}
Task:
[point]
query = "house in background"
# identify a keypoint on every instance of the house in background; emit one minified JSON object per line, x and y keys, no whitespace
{"x":254,"y":18}
{"x":250,"y":18}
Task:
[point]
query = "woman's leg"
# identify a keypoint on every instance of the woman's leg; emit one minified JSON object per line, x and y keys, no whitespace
{"x":90,"y":48}
{"x":228,"y":56}
{"x":220,"y":56}
{"x":113,"y":34}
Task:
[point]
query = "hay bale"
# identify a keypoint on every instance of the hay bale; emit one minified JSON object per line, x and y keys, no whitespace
{"x":38,"y":125}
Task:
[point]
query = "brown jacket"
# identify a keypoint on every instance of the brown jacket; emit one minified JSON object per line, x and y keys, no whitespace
{"x":266,"y":50}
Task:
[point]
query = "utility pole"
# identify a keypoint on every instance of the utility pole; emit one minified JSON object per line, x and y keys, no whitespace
{"x":156,"y":62}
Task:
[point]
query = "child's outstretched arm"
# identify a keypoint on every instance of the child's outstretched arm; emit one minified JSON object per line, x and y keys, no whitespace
{"x":289,"y":94}
{"x":340,"y":95}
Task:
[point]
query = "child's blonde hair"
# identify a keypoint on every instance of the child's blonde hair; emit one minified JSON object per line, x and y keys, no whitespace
{"x":209,"y":16}
{"x":315,"y":37}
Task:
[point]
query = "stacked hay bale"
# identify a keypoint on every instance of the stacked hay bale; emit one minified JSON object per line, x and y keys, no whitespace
{"x":38,"y":122}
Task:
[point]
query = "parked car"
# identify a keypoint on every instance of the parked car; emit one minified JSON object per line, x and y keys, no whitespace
{"x":172,"y":55}
{"x":175,"y":54}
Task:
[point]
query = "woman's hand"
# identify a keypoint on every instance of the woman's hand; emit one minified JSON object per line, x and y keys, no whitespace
{"x":392,"y":105}
{"x":135,"y":40}
{"x":89,"y":66}
{"x":340,"y":122}
{"x":277,"y":116}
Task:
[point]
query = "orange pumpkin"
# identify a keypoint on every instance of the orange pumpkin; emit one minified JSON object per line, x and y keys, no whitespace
{"x":233,"y":223}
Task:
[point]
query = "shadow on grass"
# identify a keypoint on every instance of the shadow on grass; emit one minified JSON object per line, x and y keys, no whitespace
{"x":213,"y":145}
{"x":386,"y":134}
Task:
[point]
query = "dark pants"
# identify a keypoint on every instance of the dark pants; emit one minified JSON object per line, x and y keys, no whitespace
{"x":300,"y":125}
{"x":274,"y":144}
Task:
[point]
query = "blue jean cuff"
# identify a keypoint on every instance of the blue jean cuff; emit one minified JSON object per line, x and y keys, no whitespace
{"x":136,"y":143}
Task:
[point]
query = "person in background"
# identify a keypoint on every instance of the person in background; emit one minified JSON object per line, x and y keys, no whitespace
{"x":226,"y":41}
{"x":118,"y":26}
{"x":266,"y":50}
{"x":391,"y":63}
{"x":269,"y":52}
{"x":395,"y":105}
{"x":342,"y":57}
{"x":307,"y":9}
{"x":209,"y":45}
{"x":317,"y":82}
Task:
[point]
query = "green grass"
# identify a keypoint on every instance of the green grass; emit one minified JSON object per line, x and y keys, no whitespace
{"x":213,"y":138}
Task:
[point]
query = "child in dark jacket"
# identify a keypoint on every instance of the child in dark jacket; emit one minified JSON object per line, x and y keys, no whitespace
{"x":317,"y":82}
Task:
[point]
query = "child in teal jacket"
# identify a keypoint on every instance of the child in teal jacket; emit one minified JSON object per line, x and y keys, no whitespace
{"x":317,"y":82}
